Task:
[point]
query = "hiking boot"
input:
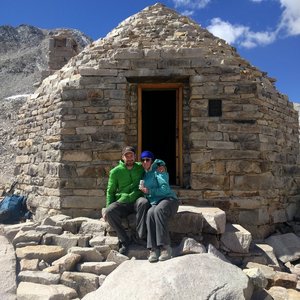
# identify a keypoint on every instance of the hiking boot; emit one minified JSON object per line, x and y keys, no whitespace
{"x":153,"y":257}
{"x":165,"y":253}
{"x":124,"y":249}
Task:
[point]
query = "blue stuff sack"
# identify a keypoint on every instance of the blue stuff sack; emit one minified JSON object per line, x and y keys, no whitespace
{"x":13,"y":209}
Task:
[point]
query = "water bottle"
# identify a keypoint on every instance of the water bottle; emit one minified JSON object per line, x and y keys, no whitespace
{"x":141,"y":184}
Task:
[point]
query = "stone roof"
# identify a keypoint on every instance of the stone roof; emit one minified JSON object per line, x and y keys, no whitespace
{"x":159,"y":27}
{"x":155,"y":32}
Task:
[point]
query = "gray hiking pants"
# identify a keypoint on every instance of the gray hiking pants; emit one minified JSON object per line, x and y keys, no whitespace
{"x":158,"y":217}
{"x":116,"y":211}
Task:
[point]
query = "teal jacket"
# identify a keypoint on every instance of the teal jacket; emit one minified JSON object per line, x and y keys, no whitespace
{"x":157,"y":184}
{"x":123,"y":184}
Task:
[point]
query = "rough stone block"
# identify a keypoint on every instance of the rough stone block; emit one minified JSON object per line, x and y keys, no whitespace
{"x":41,"y":252}
{"x":29,"y":290}
{"x":87,"y":254}
{"x":39,"y":277}
{"x":286,"y":246}
{"x":83,"y":283}
{"x":98,"y":268}
{"x":67,"y":262}
{"x":214,"y":220}
{"x":187,"y":220}
{"x":66,"y":240}
{"x":288,"y":281}
{"x":236,"y":238}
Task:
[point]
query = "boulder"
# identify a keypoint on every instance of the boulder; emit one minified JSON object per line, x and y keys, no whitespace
{"x":194,"y":276}
{"x":286,"y":246}
{"x":8,"y":284}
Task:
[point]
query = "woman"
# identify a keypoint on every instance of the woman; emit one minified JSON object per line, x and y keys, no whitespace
{"x":164,"y":205}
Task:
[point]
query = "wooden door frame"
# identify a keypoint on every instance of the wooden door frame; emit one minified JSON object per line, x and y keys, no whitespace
{"x":179,"y":91}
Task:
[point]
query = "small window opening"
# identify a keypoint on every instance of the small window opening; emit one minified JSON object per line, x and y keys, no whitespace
{"x":58,"y":43}
{"x":215,"y":108}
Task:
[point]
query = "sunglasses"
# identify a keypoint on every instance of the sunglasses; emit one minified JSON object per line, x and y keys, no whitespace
{"x":145,"y":159}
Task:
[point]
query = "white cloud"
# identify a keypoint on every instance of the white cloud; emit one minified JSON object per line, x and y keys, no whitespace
{"x":290,"y":19}
{"x":191,"y":4}
{"x":188,"y":12}
{"x":289,"y":24}
{"x":253,"y":39}
{"x":239,"y":34}
{"x":226,"y":31}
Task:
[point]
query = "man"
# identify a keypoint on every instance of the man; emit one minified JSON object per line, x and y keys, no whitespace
{"x":123,"y":197}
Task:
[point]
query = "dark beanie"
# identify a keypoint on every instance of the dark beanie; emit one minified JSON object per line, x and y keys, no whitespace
{"x":147,"y":154}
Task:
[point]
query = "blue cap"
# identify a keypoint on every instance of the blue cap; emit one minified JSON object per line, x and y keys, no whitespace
{"x":147,"y":154}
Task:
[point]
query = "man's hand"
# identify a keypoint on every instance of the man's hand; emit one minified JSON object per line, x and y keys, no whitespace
{"x":104,"y":217}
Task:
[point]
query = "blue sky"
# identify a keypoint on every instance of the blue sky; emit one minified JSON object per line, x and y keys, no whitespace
{"x":265,"y":32}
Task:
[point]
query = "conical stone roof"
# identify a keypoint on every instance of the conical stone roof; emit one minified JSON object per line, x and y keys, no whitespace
{"x":155,"y":33}
{"x":158,"y":27}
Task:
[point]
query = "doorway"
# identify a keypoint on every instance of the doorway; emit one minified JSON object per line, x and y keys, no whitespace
{"x":160,"y":125}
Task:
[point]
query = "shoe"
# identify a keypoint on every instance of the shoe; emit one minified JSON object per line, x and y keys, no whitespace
{"x":153,"y":257}
{"x":124,"y":249}
{"x":165,"y":253}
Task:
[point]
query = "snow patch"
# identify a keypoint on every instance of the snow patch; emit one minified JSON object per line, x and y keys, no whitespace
{"x":15,"y":97}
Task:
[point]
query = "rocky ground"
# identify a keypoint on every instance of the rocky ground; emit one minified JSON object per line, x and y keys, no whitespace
{"x":65,"y":258}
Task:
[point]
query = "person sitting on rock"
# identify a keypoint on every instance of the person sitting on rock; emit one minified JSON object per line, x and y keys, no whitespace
{"x":123,"y":197}
{"x":164,"y":205}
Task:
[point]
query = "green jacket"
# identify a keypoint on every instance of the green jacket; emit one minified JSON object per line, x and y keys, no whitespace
{"x":123,"y":184}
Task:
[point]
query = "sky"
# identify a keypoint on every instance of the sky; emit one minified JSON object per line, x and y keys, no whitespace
{"x":264,"y":32}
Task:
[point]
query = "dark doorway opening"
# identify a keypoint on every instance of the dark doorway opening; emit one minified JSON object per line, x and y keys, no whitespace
{"x":159,"y":127}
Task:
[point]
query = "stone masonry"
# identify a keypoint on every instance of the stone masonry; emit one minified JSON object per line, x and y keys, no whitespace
{"x":244,"y":161}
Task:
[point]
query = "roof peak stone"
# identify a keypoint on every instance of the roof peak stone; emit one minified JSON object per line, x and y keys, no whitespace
{"x":154,"y":26}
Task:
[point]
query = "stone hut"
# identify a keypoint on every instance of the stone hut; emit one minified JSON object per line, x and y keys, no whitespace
{"x":160,"y":81}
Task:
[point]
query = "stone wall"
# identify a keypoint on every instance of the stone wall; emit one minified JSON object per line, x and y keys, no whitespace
{"x":246,"y":160}
{"x":243,"y":161}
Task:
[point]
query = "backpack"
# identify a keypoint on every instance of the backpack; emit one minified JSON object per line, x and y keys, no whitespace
{"x":13,"y":209}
